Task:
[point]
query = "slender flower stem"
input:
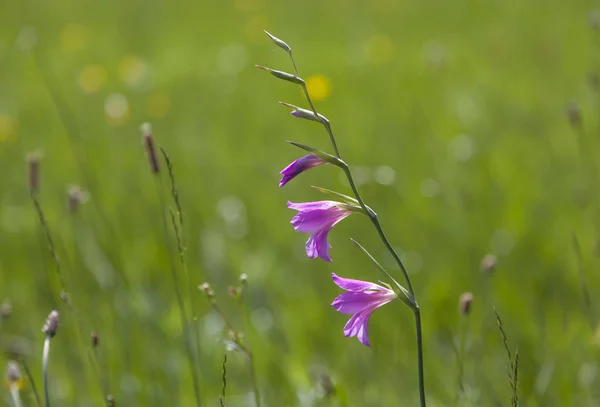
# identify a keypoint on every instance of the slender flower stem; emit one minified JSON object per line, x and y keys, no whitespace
{"x":375,"y":220}
{"x":245,"y":350}
{"x":14,"y":393}
{"x":46,"y":355}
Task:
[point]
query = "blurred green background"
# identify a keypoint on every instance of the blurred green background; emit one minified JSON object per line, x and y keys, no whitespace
{"x":452,"y":116}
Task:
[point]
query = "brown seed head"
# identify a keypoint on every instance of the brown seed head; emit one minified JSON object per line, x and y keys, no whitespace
{"x":13,"y":372}
{"x":150,"y":148}
{"x":76,"y":197}
{"x":6,"y":309}
{"x":51,"y":325}
{"x":488,"y":263}
{"x":574,"y":115}
{"x":464,"y":304}
{"x":95,"y":339}
{"x":33,"y":162}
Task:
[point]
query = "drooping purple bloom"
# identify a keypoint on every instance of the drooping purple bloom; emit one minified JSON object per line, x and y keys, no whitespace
{"x":318,"y":218}
{"x":360,"y":300}
{"x":297,"y":167}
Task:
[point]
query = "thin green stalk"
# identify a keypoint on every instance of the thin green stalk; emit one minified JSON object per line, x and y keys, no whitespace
{"x":46,"y":356}
{"x":245,"y":350}
{"x":461,"y":362}
{"x":224,"y":381}
{"x":182,"y":248}
{"x":375,"y":221}
{"x":180,"y":303}
{"x":31,"y":381}
{"x":14,"y":393}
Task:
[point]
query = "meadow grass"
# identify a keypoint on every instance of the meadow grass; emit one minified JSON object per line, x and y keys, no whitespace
{"x":472,"y":128}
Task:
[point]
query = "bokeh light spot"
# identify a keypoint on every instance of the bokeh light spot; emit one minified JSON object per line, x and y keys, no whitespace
{"x":74,"y":37}
{"x":27,"y":38}
{"x":379,"y":49}
{"x":132,"y":70}
{"x":92,"y":78}
{"x":116,"y":108}
{"x":158,"y":105}
{"x":232,"y":59}
{"x":248,"y":5}
{"x":253,"y":31}
{"x":319,"y":87}
{"x":8,"y":128}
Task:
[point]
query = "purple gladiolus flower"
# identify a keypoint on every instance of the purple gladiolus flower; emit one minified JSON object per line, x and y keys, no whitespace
{"x":361,"y":300}
{"x":300,"y":165}
{"x":318,"y":218}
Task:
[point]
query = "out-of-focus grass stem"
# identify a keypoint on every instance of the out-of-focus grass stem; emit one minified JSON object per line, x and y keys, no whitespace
{"x":31,"y":381}
{"x":176,"y":283}
{"x":178,"y":226}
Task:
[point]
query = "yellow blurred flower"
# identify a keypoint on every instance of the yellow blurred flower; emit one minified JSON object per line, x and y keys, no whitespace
{"x":8,"y":128}
{"x":379,"y":49}
{"x":74,"y":37}
{"x":158,"y":105}
{"x":92,"y":78}
{"x":318,"y":87}
{"x":132,"y":70}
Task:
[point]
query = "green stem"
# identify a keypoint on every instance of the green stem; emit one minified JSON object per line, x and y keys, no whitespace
{"x":46,"y":355}
{"x":417,"y":313}
{"x":179,"y":297}
{"x":375,"y":221}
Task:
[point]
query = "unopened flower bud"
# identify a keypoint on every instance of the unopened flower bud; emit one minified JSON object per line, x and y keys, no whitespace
{"x":233,"y":292}
{"x":464,"y":304}
{"x":488,"y":264}
{"x":305,"y":114}
{"x":243,"y":279}
{"x":207,"y":289}
{"x":282,"y":75}
{"x":279,"y":42}
{"x":76,"y":198}
{"x":51,"y":325}
{"x":150,"y":148}
{"x":110,"y":401}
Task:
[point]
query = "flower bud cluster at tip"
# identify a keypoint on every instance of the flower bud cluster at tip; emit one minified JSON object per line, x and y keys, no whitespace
{"x":207,"y":289}
{"x":51,"y":325}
